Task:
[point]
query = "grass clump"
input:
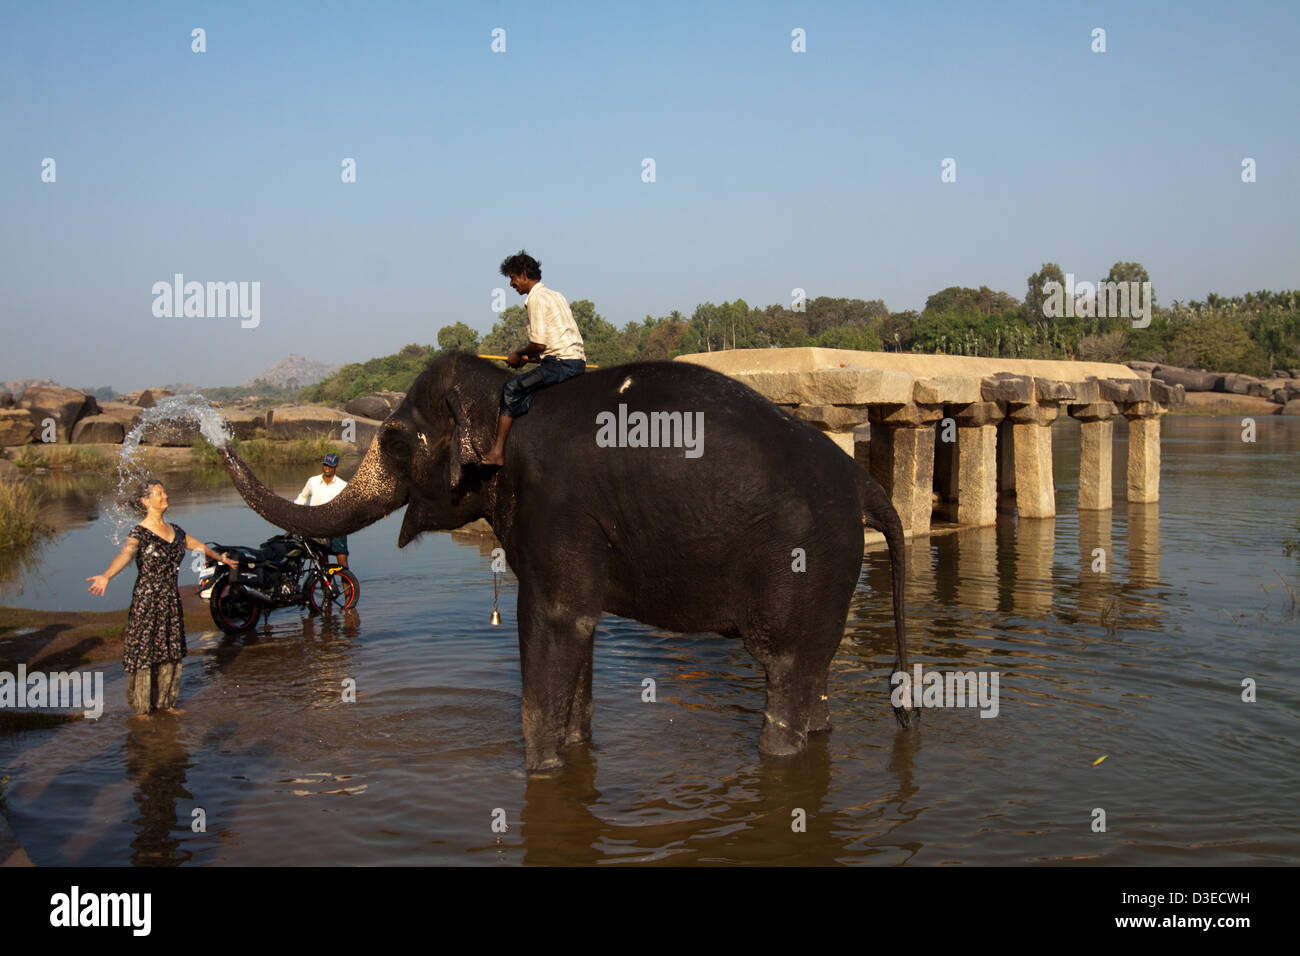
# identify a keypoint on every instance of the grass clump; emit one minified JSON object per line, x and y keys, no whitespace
{"x":267,"y":451}
{"x":21,"y":522}
{"x":59,"y":457}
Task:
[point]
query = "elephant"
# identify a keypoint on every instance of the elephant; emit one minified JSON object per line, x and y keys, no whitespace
{"x":756,"y":532}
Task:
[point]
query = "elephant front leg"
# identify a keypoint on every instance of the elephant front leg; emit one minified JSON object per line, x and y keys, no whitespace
{"x":555,"y":648}
{"x":578,"y":730}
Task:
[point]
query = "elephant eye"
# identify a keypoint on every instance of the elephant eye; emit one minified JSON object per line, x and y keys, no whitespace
{"x":397,"y":446}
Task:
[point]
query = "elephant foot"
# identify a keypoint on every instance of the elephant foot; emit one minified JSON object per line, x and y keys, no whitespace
{"x":779,"y":739}
{"x":543,"y":763}
{"x":576,"y":737}
{"x":819,"y":719}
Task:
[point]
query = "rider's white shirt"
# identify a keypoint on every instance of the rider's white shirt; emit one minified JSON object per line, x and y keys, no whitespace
{"x":316,"y":492}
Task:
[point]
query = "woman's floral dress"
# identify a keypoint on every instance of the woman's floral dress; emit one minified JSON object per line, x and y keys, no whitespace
{"x":155,"y":624}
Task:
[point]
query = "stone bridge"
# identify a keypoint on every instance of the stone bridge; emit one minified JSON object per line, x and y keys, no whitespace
{"x":949,"y":433}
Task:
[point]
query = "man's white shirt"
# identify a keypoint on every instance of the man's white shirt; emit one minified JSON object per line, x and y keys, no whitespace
{"x":316,"y":492}
{"x":550,"y":323}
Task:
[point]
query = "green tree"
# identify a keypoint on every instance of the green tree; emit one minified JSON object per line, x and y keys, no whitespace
{"x":962,"y":300}
{"x":856,"y":337}
{"x":457,"y":338}
{"x":509,"y":333}
{"x":1131,"y":272}
{"x":1217,"y":344}
{"x":1036,"y":297}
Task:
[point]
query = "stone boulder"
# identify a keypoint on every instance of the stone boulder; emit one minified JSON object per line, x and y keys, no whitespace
{"x":66,"y":406}
{"x":306,"y":421}
{"x":98,"y":429}
{"x":1291,"y":408}
{"x":378,"y":405}
{"x":1235,"y":384}
{"x":1267,"y":387}
{"x":1143,"y":368}
{"x":6,"y":398}
{"x":170,"y":434}
{"x":244,"y":425}
{"x":146,"y":398}
{"x":1193,"y":380}
{"x":1220,"y":403}
{"x":124,"y":412}
{"x":17,"y":427}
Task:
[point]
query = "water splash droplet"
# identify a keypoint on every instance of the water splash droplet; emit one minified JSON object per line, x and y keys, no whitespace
{"x":191,"y":408}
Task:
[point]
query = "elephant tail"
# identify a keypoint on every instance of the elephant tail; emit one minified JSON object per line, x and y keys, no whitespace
{"x":878,"y":513}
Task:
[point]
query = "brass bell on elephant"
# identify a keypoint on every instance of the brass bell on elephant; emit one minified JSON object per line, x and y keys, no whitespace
{"x":496,"y":618}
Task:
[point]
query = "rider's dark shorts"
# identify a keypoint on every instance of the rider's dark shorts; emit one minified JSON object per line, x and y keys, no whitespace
{"x":339,"y":545}
{"x":517,"y":394}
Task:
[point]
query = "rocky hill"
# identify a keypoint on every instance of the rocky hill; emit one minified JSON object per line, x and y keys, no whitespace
{"x":295,"y":368}
{"x":15,"y":387}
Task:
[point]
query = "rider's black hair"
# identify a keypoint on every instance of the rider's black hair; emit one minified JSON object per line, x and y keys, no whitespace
{"x":521,"y":264}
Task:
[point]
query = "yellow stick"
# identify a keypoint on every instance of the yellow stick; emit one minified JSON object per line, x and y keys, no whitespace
{"x":502,"y":358}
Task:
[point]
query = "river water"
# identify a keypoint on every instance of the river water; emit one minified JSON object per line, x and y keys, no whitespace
{"x":1141,"y":663}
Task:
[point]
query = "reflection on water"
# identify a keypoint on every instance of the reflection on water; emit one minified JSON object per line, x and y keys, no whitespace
{"x":1139,"y":656}
{"x":156,"y":762}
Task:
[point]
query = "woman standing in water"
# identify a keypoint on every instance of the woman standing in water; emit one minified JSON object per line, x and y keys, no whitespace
{"x":155,"y":624}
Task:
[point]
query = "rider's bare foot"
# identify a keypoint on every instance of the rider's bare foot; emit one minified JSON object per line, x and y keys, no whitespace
{"x":495,"y":458}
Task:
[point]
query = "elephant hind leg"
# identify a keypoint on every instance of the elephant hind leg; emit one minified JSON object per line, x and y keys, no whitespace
{"x":796,"y":686}
{"x":787,"y":713}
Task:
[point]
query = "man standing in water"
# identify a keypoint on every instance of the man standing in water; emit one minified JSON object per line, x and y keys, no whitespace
{"x":321,"y":489}
{"x":553,"y":340}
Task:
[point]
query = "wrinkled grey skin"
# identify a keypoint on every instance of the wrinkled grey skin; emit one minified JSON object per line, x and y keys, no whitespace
{"x":684,"y":544}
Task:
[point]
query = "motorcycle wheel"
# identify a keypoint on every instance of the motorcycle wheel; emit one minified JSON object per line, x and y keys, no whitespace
{"x":233,"y":613}
{"x":341,"y":597}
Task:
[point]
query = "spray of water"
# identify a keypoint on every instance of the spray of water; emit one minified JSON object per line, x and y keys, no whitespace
{"x":191,"y":410}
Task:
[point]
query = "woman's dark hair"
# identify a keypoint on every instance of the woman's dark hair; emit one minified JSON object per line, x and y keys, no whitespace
{"x":521,"y":264}
{"x":135,"y":491}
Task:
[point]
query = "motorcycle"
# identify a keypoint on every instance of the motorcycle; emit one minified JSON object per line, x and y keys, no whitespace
{"x":286,"y":571}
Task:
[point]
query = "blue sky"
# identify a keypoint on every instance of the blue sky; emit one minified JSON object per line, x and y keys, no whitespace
{"x":774,"y":169}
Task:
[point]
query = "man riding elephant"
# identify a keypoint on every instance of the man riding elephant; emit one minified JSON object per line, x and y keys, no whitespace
{"x":553,"y":341}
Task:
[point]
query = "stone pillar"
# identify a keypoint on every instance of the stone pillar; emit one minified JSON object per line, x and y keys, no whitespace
{"x":1096,"y":440}
{"x":976,"y":472}
{"x":902,"y":460}
{"x":1143,"y":451}
{"x":1031,"y":436}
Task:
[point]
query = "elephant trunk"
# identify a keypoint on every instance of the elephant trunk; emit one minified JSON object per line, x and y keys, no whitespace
{"x":372,"y":493}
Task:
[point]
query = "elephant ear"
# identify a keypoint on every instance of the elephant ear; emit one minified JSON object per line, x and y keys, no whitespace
{"x":470,"y":425}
